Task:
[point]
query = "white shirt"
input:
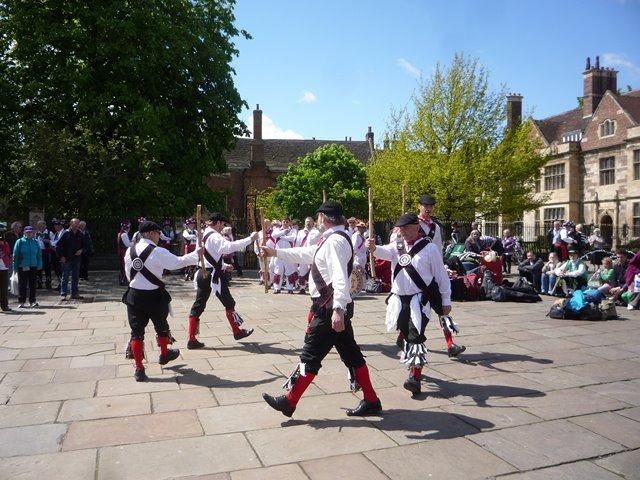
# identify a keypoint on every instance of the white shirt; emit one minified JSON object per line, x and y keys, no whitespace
{"x":437,"y":235}
{"x":191,"y":236}
{"x":216,"y":245}
{"x":331,"y":257}
{"x":427,"y":262}
{"x":159,"y":260}
{"x":359,"y":250}
{"x":285,"y":238}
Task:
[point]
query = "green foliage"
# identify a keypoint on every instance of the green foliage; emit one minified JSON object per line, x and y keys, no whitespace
{"x":123,"y":107}
{"x":452,"y":142}
{"x":331,"y":168}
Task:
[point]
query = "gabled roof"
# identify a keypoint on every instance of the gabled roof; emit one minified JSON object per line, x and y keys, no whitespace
{"x":554,"y":128}
{"x":279,"y":154}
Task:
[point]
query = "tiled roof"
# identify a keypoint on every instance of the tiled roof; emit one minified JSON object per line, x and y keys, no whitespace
{"x":553,"y":128}
{"x":278,"y":154}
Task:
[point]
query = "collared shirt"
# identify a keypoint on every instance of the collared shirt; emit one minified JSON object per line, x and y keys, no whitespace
{"x":427,"y":262}
{"x":159,"y":260}
{"x":331,"y":256}
{"x":216,"y":245}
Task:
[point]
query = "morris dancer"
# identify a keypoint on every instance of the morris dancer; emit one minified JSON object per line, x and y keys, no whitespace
{"x":416,"y":262}
{"x":215,"y":246}
{"x":329,"y":321}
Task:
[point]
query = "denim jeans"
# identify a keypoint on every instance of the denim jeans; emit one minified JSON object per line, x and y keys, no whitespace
{"x":72,"y":265}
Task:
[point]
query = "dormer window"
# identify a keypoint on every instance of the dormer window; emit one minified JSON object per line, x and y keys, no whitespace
{"x":574,"y":136}
{"x":607,"y":128}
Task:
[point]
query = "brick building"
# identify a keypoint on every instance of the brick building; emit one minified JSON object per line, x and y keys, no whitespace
{"x":593,"y":175}
{"x":256,"y":163}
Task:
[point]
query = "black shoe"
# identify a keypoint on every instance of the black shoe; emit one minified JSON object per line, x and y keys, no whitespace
{"x":275,"y":292}
{"x":140,"y":375}
{"x":302,"y":291}
{"x":77,"y":296}
{"x":365,"y":408}
{"x":455,"y":350}
{"x":413,"y":385}
{"x":170,"y":355}
{"x":279,"y":403}
{"x":290,"y":292}
{"x":194,"y":345}
{"x":243,"y":334}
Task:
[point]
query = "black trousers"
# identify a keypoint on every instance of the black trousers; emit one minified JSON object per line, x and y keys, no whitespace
{"x":27,"y":280}
{"x":204,"y":292}
{"x":145,"y":305}
{"x":321,"y":338}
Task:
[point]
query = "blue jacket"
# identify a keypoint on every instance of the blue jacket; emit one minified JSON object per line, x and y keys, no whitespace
{"x":26,"y":253}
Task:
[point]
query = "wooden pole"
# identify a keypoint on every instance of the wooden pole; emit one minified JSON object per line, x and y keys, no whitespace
{"x":372,"y":261}
{"x":198,"y":225}
{"x":265,"y":260}
{"x":324,"y":196}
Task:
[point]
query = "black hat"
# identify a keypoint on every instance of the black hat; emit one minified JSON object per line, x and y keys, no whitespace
{"x":149,"y":226}
{"x":331,"y":207}
{"x":572,"y":249}
{"x":58,"y":222}
{"x":427,"y":200}
{"x":217,"y":217}
{"x":407,"y":219}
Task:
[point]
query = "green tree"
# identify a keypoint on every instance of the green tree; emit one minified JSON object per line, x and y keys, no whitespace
{"x":124,"y":107}
{"x":331,"y":168}
{"x":452,"y":142}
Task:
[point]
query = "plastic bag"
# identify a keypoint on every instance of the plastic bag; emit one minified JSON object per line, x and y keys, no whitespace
{"x":13,"y":282}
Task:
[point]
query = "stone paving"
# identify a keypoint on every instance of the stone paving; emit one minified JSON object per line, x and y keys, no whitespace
{"x":531,"y":398}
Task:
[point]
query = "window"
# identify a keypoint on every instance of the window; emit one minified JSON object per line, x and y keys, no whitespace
{"x":608,"y":127}
{"x":635,"y":221}
{"x":517,"y":228}
{"x":551,"y":215}
{"x":574,"y":136}
{"x":537,"y":185}
{"x":554,"y":177}
{"x":636,"y":164}
{"x":607,"y":171}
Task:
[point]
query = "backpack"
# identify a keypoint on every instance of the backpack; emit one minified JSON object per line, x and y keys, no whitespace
{"x":457,"y":289}
{"x":471,"y":287}
{"x":487,"y":285}
{"x":373,"y":285}
{"x":608,"y":309}
{"x":557,"y":309}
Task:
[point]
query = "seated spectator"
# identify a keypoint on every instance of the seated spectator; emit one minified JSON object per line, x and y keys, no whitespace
{"x":605,"y":275}
{"x":632,"y":295}
{"x":548,"y":274}
{"x":572,"y":273}
{"x":618,"y":281}
{"x":531,"y":269}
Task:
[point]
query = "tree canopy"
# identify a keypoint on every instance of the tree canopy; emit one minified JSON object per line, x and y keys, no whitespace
{"x":119,"y":107}
{"x":331,"y":168}
{"x":452,"y":141}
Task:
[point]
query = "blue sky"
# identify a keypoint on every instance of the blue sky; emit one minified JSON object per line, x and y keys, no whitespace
{"x":330,"y":69}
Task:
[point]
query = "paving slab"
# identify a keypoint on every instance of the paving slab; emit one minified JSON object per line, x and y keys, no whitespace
{"x":531,"y":398}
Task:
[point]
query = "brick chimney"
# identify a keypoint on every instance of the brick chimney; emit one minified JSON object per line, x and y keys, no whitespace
{"x":369,"y":139}
{"x":257,"y":144}
{"x":514,"y":110}
{"x":596,"y":83}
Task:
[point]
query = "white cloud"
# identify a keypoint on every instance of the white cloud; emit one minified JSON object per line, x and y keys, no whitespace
{"x":308,"y":97}
{"x":272,"y":131}
{"x":615,"y":60}
{"x":410,"y":69}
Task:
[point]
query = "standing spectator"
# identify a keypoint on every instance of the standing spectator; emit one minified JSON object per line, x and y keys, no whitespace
{"x":531,"y":269}
{"x":58,"y":230}
{"x":43,"y":237}
{"x":147,"y":298}
{"x":583,"y":241}
{"x":11,"y":237}
{"x":124,"y":242}
{"x":87,"y":253}
{"x":70,"y":247}
{"x":455,"y":234}
{"x":27,"y":260}
{"x":554,"y":238}
{"x":509,"y":246}
{"x":569,"y":238}
{"x":329,"y":321}
{"x":596,"y":244}
{"x":5,"y":260}
{"x":190,"y":235}
{"x":416,"y":262}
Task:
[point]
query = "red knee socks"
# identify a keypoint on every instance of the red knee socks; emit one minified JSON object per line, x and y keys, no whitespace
{"x":137,"y":350}
{"x":194,"y":327}
{"x":362,"y":376}
{"x":163,"y":343}
{"x":232,"y":321}
{"x":448,"y":337}
{"x":302,"y":382}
